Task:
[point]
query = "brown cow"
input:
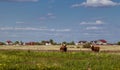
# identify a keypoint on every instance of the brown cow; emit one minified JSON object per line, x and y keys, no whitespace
{"x":95,"y":48}
{"x":63,"y":48}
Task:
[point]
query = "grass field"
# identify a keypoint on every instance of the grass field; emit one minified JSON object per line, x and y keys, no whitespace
{"x":36,"y":60}
{"x":57,"y":47}
{"x":25,"y":58}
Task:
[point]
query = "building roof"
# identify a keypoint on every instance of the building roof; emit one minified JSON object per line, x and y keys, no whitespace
{"x":102,"y":40}
{"x":82,"y":41}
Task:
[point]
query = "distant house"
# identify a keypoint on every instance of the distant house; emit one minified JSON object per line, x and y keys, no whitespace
{"x":47,"y":43}
{"x":93,"y":42}
{"x":9,"y":42}
{"x":82,"y":42}
{"x":102,"y":42}
{"x":30,"y":43}
{"x":99,"y":42}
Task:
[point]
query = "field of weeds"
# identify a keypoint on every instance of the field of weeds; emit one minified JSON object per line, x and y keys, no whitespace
{"x":36,"y":60}
{"x":57,"y":47}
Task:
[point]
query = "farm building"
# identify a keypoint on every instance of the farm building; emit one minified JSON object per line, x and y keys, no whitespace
{"x":9,"y":42}
{"x":99,"y":42}
{"x":102,"y":42}
{"x":82,"y":42}
{"x":47,"y":43}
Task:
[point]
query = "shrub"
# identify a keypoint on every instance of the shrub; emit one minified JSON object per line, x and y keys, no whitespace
{"x":77,"y":46}
{"x":87,"y":45}
{"x":2,"y":43}
{"x":118,"y":43}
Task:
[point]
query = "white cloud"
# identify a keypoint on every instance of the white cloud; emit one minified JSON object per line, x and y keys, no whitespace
{"x":97,"y":3}
{"x":93,"y":28}
{"x":20,"y":0}
{"x":33,"y":29}
{"x":27,"y":0}
{"x":22,"y":28}
{"x":51,"y":16}
{"x":42,"y":18}
{"x":91,"y":34}
{"x":6,"y":28}
{"x":20,"y":22}
{"x":63,"y":30}
{"x":48,"y":16}
{"x":59,"y":30}
{"x":52,"y":1}
{"x":96,"y":34}
{"x":97,"y":22}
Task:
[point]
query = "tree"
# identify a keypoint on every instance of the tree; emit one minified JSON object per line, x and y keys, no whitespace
{"x":21,"y":43}
{"x":87,"y":45}
{"x":64,"y":42}
{"x":43,"y":42}
{"x":118,"y":43}
{"x":51,"y":41}
{"x":2,"y":43}
{"x":16,"y":42}
{"x":71,"y":43}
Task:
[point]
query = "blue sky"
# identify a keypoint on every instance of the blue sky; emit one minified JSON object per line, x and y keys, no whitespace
{"x":60,"y":20}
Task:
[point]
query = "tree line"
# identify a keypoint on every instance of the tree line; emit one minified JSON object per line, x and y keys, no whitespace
{"x":43,"y":42}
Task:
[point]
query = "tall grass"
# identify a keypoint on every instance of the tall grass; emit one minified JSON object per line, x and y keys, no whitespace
{"x":35,"y":60}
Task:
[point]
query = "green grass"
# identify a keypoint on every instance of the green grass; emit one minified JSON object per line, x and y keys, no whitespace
{"x":34,"y":60}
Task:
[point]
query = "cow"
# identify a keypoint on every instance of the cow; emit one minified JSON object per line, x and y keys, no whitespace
{"x":63,"y":48}
{"x":95,"y":48}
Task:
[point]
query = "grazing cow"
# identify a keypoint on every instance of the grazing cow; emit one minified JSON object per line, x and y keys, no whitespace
{"x":95,"y":48}
{"x":63,"y":48}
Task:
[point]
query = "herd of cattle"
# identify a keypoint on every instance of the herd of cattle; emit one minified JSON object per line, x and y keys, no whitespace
{"x":94,"y":48}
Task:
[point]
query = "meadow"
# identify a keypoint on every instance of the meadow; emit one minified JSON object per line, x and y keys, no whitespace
{"x":37,"y":60}
{"x":57,"y":47}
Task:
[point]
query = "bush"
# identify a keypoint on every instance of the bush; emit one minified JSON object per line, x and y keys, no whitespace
{"x":2,"y":43}
{"x":77,"y":46}
{"x":87,"y":45}
{"x":118,"y":43}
